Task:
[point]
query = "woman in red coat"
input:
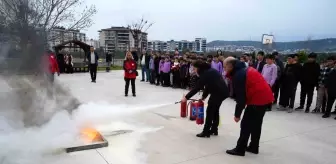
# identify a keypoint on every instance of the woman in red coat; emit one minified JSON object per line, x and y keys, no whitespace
{"x":130,"y":68}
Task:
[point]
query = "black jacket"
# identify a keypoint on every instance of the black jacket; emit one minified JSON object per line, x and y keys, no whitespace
{"x":291,"y":75}
{"x":310,"y":74}
{"x":88,"y":57}
{"x":261,"y":65}
{"x":135,"y":56}
{"x":213,"y":83}
{"x":330,"y":83}
{"x":157,"y":64}
{"x":147,"y":59}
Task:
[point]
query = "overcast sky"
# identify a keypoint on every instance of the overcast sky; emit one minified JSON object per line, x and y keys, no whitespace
{"x":288,"y":20}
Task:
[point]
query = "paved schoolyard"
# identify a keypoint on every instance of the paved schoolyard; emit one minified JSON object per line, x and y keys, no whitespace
{"x":157,"y":135}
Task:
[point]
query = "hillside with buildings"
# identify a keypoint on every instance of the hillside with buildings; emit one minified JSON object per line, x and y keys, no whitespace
{"x":321,"y":45}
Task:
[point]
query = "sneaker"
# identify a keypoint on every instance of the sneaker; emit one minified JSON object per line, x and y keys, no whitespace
{"x":307,"y":110}
{"x":252,"y":150}
{"x":235,"y":152}
{"x":326,"y":116}
{"x":134,"y":95}
{"x":126,"y":95}
{"x":282,"y":108}
{"x":299,"y":108}
{"x":334,"y":112}
{"x":290,"y":110}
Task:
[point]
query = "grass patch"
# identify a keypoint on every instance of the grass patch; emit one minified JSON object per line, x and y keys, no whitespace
{"x":112,"y":68}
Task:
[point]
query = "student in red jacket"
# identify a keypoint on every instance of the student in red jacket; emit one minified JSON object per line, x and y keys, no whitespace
{"x":253,"y":94}
{"x":50,"y":65}
{"x":130,"y":68}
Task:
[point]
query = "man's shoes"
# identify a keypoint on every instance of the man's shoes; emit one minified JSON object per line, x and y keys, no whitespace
{"x":299,"y":108}
{"x":235,"y":152}
{"x":326,"y":116}
{"x":126,"y":95}
{"x":307,"y":110}
{"x":134,"y":95}
{"x":290,"y":110}
{"x":203,"y":135}
{"x":142,"y":80}
{"x":214,"y":133}
{"x":335,"y":118}
{"x":316,"y":110}
{"x":252,"y":150}
{"x":334,"y":112}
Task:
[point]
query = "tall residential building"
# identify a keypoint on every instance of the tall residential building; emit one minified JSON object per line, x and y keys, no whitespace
{"x":200,"y":44}
{"x":120,"y":39}
{"x":93,"y":42}
{"x":60,"y":35}
{"x":157,"y":46}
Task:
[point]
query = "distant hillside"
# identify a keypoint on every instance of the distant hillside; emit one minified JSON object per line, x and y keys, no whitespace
{"x":314,"y":45}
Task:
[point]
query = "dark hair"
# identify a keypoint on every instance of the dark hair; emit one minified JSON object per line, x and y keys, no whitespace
{"x":209,"y":56}
{"x":216,"y":56}
{"x":261,"y":53}
{"x":202,"y":66}
{"x":312,"y":55}
{"x":270,"y":56}
{"x":331,"y":58}
{"x":275,"y":53}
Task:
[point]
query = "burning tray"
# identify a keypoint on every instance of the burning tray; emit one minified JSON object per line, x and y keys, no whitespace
{"x":92,"y":140}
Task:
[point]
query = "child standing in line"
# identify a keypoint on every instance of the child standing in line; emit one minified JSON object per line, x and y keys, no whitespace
{"x":152,"y":70}
{"x":161,"y":70}
{"x":184,"y":74}
{"x":193,"y":75}
{"x":166,"y":72}
{"x":176,"y":74}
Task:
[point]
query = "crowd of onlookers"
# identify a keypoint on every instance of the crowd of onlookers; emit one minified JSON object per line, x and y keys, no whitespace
{"x":176,"y":71}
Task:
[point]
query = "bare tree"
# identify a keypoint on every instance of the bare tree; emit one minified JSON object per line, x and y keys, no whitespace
{"x":136,"y":29}
{"x":45,"y":15}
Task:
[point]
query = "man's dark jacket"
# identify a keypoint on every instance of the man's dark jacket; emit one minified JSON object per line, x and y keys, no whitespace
{"x":261,"y":65}
{"x":88,"y":57}
{"x":310,"y":74}
{"x":213,"y":83}
{"x":147,"y":59}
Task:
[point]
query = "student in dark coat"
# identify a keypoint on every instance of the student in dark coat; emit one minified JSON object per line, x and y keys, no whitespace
{"x":331,"y":90}
{"x":309,"y":80}
{"x":93,"y":58}
{"x":289,"y":81}
{"x":213,"y":83}
{"x":276,"y":86}
{"x":259,"y":64}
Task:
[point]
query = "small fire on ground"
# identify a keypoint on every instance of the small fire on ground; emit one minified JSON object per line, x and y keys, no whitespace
{"x":90,"y":135}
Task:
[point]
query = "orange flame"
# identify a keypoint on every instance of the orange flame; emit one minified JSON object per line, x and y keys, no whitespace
{"x":90,"y":135}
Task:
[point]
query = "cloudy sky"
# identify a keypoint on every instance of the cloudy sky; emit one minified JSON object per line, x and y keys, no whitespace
{"x":288,"y":20}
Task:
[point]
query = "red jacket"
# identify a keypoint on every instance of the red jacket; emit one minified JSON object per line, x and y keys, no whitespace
{"x":249,"y":88}
{"x":50,"y":63}
{"x":130,"y":67}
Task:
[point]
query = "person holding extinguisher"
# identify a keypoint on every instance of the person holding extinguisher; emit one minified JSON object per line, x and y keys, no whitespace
{"x":252,"y":93}
{"x":130,"y":68}
{"x":213,"y":83}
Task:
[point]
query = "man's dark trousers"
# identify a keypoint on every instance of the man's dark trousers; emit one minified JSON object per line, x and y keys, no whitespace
{"x":93,"y":71}
{"x":306,"y":91}
{"x":276,"y":89}
{"x":251,"y":124}
{"x":212,"y":114}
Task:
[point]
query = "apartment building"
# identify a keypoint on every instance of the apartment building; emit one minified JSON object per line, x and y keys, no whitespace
{"x":60,"y":35}
{"x":157,"y":45}
{"x":199,"y":45}
{"x":120,"y":39}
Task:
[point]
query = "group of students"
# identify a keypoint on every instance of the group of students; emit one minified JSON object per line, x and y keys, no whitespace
{"x":311,"y":75}
{"x":177,"y":71}
{"x":174,"y":71}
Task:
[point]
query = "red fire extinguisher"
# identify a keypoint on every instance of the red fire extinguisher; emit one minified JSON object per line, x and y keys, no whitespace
{"x":193,"y":110}
{"x":200,"y":113}
{"x":184,"y":111}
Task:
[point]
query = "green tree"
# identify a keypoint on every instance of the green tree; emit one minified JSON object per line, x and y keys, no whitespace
{"x":302,"y":55}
